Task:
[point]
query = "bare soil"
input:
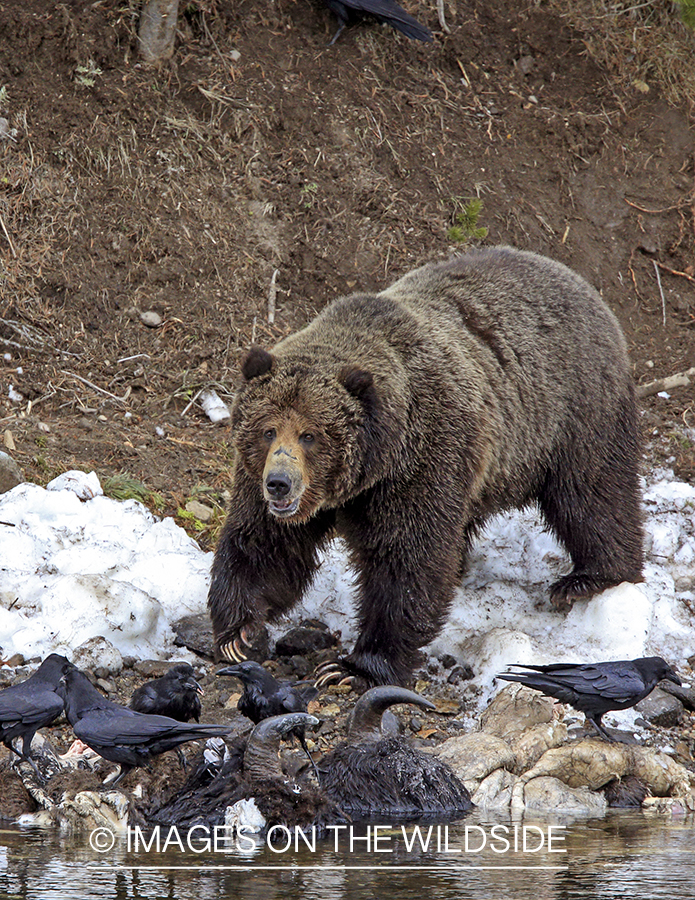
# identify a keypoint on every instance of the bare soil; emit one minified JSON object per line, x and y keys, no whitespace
{"x":259,"y":156}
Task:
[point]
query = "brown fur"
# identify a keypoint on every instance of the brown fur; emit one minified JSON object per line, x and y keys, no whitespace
{"x":404,"y":420}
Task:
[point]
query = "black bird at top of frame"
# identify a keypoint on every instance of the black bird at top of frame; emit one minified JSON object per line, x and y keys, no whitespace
{"x":384,"y":11}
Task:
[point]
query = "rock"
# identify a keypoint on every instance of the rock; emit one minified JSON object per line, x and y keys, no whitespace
{"x":530,"y":745}
{"x":17,"y":659}
{"x":661,"y":708}
{"x":300,"y":667}
{"x":199,"y":510}
{"x":107,"y":812}
{"x":662,"y":775}
{"x":474,"y":756}
{"x":152,"y":668}
{"x":547,"y":793}
{"x":150,"y":318}
{"x":589,"y":763}
{"x":593,"y":763}
{"x":460,"y":673}
{"x":195,"y":633}
{"x":446,"y":706}
{"x":515,"y":709}
{"x":10,"y":473}
{"x":495,"y":791}
{"x":304,"y":639}
{"x":98,"y":653}
{"x":670,"y":806}
{"x":525,"y":64}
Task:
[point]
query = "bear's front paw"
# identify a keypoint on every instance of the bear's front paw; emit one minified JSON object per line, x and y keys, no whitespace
{"x":361,"y":671}
{"x":333,"y":672}
{"x":231,"y":647}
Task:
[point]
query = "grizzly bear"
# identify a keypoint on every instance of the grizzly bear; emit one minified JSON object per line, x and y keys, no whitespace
{"x":401,"y":421}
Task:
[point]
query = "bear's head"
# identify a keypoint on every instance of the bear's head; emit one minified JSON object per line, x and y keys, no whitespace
{"x":302,"y":431}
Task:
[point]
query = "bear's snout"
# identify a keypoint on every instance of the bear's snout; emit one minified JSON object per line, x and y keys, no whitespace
{"x":278,"y":485}
{"x":283,"y":483}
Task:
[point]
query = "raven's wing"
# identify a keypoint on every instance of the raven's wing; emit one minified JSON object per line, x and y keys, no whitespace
{"x":294,"y":699}
{"x":145,"y":699}
{"x":389,"y":11}
{"x":31,"y":706}
{"x":125,"y":727}
{"x":619,"y":680}
{"x":550,"y":686}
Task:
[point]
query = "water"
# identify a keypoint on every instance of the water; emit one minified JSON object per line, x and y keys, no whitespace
{"x":626,"y":854}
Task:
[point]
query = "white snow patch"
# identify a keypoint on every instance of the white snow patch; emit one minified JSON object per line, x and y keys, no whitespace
{"x":75,"y":569}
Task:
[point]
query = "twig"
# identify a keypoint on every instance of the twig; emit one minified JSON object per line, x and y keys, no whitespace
{"x":99,"y":390}
{"x":9,"y":239}
{"x":680,"y":379}
{"x":673,"y":271}
{"x":212,"y":40}
{"x":657,"y":212}
{"x":661,"y":291}
{"x":192,"y":401}
{"x":128,"y":358}
{"x":440,"y":16}
{"x":272,"y":294}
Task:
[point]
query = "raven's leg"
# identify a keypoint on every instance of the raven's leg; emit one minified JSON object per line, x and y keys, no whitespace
{"x":596,"y":722}
{"x":302,"y":741}
{"x":24,"y":754}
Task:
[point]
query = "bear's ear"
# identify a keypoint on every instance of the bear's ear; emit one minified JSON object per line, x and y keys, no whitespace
{"x":257,"y":362}
{"x":359,"y":383}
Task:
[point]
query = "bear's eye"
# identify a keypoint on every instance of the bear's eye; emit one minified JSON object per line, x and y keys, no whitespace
{"x":269,"y":435}
{"x":307,"y":438}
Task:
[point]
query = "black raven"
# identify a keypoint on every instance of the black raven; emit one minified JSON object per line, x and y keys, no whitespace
{"x":596,"y":688}
{"x":264,"y":696}
{"x":383,"y":10}
{"x":119,"y":734}
{"x":26,"y":707}
{"x":176,"y":694}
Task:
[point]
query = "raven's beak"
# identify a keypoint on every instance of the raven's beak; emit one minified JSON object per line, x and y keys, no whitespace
{"x":193,"y":685}
{"x":230,"y":670}
{"x":671,"y":676}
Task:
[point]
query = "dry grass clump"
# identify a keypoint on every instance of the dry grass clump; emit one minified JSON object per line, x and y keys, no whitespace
{"x":645,"y":42}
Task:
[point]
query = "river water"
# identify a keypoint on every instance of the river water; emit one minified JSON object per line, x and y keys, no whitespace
{"x":624,"y":855}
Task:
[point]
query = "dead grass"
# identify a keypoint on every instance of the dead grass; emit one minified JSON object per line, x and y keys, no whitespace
{"x":645,"y":43}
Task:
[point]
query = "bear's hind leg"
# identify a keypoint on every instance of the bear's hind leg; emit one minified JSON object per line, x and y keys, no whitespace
{"x":596,"y":515}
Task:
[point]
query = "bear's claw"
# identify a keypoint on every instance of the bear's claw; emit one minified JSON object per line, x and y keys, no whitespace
{"x":331,"y":672}
{"x":232,"y":650}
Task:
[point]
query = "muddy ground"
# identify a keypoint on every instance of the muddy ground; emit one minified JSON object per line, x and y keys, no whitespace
{"x":258,"y":157}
